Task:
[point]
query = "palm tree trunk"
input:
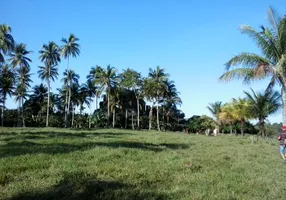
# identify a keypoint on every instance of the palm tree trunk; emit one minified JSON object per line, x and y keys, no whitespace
{"x":138,"y":114}
{"x":158,"y":120}
{"x":66,"y":109}
{"x":126,"y":117}
{"x":96,"y":102}
{"x":150,"y":118}
{"x":19,"y":114}
{"x":23,"y":115}
{"x":132,"y":120}
{"x":2,"y":114}
{"x":108,"y":105}
{"x":69,"y":101}
{"x":89,"y":119}
{"x":242,"y":127}
{"x":113,"y":121}
{"x":168,"y":119}
{"x":231,"y":129}
{"x":163,"y":116}
{"x":284,"y":104}
{"x":48,"y":106}
{"x":73,"y":110}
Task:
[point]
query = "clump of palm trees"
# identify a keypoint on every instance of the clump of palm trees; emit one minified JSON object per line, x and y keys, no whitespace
{"x":255,"y":106}
{"x":116,"y":94}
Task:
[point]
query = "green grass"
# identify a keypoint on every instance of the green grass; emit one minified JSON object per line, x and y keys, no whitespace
{"x":120,"y":164}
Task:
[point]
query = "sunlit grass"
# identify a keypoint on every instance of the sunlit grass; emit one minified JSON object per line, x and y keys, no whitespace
{"x":121,"y":164}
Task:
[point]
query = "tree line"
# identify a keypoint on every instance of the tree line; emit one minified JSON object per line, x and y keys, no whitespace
{"x":121,"y":98}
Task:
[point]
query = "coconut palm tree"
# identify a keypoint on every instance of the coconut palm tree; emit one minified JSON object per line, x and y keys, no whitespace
{"x":261,"y":105}
{"x":23,"y":84}
{"x":6,"y":41}
{"x":93,"y":76}
{"x":48,"y":73}
{"x":241,"y":112}
{"x":215,"y":110}
{"x":90,"y":89}
{"x":272,"y":43}
{"x":227,"y":115}
{"x":50,"y":55}
{"x":70,"y":78}
{"x":171,"y":97}
{"x":132,"y":80}
{"x":69,"y":48}
{"x":7,"y":81}
{"x":18,"y":57}
{"x":106,"y":78}
{"x":150,"y":93}
{"x":159,"y":77}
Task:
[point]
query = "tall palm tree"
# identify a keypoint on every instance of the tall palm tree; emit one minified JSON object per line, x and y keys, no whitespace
{"x":106,"y":78}
{"x":69,"y":48}
{"x":171,"y":96}
{"x":18,"y":57}
{"x":7,"y":80}
{"x":23,"y":84}
{"x":150,"y":94}
{"x":38,"y":100}
{"x":6,"y":41}
{"x":261,"y":105}
{"x":158,"y":76}
{"x":70,"y":78}
{"x":93,"y":76}
{"x":50,"y":55}
{"x":215,"y":110}
{"x":90,"y":90}
{"x":272,"y":43}
{"x":132,"y":80}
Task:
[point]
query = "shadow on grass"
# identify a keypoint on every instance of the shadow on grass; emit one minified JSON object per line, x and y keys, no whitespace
{"x":27,"y":135}
{"x":30,"y":147}
{"x":83,"y":186}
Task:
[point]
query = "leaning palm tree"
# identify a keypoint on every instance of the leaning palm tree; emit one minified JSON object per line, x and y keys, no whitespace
{"x":6,"y":41}
{"x":49,"y":54}
{"x":261,"y":105}
{"x":70,"y":78}
{"x":7,"y":80}
{"x":215,"y":110}
{"x":159,"y":77}
{"x":250,"y":66}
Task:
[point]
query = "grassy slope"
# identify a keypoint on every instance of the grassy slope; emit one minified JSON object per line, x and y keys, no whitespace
{"x":114,"y":164}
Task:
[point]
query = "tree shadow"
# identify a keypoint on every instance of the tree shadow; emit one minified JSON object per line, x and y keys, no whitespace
{"x":28,"y":135}
{"x":82,"y":186}
{"x":30,"y":147}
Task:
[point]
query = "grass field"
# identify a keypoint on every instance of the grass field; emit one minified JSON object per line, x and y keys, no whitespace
{"x":120,"y":164}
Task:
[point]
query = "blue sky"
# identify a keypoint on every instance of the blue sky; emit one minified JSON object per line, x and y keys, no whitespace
{"x":190,"y":39}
